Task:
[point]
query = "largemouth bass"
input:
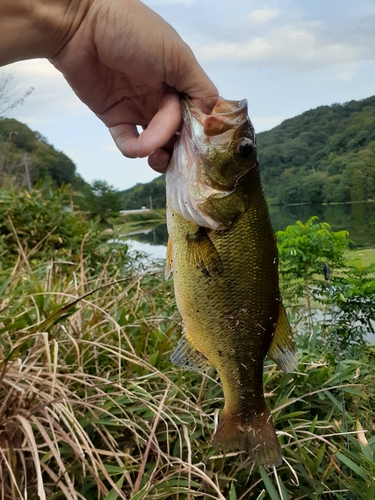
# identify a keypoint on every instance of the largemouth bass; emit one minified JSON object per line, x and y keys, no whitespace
{"x":223,"y":255}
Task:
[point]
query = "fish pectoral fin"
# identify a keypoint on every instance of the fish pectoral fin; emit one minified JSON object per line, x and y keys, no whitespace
{"x":202,"y":252}
{"x":187,"y":356}
{"x":169,"y":260}
{"x":283,"y":349}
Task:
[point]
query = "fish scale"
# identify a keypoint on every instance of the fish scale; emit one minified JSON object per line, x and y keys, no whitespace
{"x":226,"y":286}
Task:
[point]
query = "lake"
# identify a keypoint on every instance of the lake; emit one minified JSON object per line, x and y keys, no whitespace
{"x":357,"y":218}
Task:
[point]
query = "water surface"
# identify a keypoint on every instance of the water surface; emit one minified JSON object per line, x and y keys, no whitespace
{"x":357,"y":218}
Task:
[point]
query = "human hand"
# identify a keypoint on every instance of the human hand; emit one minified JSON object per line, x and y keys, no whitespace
{"x":129,"y":66}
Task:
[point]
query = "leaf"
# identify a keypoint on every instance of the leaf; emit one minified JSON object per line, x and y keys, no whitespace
{"x":113,"y":494}
{"x":353,"y":466}
{"x":283,"y":490}
{"x":5,"y":284}
{"x":313,"y":424}
{"x":371,"y":492}
{"x":34,"y":452}
{"x":334,"y":400}
{"x":268,"y":484}
{"x":363,"y":442}
{"x":262,"y":495}
{"x":141,"y":493}
{"x":232,"y":494}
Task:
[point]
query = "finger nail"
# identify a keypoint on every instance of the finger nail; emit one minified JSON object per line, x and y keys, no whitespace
{"x":161,"y":166}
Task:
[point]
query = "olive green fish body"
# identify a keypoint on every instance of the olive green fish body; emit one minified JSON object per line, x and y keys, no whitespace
{"x":227,"y":291}
{"x":230,"y":317}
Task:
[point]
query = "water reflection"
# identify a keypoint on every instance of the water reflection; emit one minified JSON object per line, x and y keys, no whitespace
{"x":154,"y":251}
{"x":155,"y":234}
{"x":358,"y":219}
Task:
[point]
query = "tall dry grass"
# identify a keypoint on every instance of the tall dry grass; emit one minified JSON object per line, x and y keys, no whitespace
{"x":92,"y":408}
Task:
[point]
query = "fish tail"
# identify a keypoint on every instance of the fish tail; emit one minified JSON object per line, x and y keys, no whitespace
{"x":253,"y":433}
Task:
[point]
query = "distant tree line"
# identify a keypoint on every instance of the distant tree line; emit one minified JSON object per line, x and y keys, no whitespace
{"x":325,"y":155}
{"x":150,"y":195}
{"x":27,"y":159}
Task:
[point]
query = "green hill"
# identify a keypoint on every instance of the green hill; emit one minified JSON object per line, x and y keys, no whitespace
{"x":151,"y":193}
{"x":326,"y":154}
{"x":27,"y":159}
{"x":44,"y":162}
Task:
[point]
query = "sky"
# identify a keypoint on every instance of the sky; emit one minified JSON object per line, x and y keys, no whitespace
{"x":284,"y":56}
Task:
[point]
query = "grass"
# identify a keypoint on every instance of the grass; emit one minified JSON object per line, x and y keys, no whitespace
{"x":365,"y":255}
{"x":92,"y":408}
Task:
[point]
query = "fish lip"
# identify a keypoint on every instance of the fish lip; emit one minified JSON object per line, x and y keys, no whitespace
{"x":193,"y":176}
{"x":235,"y":107}
{"x":236,"y":113}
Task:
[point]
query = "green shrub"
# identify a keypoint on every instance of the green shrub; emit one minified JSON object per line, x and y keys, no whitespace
{"x":91,"y":406}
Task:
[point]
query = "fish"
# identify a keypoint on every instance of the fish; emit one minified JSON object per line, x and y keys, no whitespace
{"x":222,"y":252}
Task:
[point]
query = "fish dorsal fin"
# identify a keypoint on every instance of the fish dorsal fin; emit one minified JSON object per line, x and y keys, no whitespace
{"x":187,"y":356}
{"x":169,"y":260}
{"x":202,"y":252}
{"x":283,"y":349}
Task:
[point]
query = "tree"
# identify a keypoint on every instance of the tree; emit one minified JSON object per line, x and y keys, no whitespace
{"x":312,"y":186}
{"x":8,"y":92}
{"x":290,"y":188}
{"x":151,"y":193}
{"x":326,"y":139}
{"x":304,"y":249}
{"x":49,"y":163}
{"x":20,"y":145}
{"x":104,"y":200}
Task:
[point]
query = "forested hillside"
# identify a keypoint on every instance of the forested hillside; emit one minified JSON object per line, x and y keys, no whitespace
{"x":152,"y":193}
{"x":19,"y":145}
{"x":27,"y":159}
{"x":326,"y":154}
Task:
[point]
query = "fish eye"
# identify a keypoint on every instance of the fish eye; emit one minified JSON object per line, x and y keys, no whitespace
{"x":245,"y":147}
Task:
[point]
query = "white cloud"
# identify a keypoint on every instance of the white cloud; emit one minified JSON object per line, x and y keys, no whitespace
{"x":51,"y":97}
{"x":301,"y":47}
{"x":345,"y":75}
{"x":250,"y":50}
{"x":262,"y":16}
{"x":345,"y":72}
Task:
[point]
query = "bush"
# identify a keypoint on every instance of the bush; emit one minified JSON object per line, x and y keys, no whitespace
{"x":91,"y":406}
{"x":43,"y":225}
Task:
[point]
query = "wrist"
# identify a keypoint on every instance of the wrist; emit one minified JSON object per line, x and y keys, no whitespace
{"x":38,"y":28}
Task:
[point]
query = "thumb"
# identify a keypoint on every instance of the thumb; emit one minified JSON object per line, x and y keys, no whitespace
{"x":189,"y":78}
